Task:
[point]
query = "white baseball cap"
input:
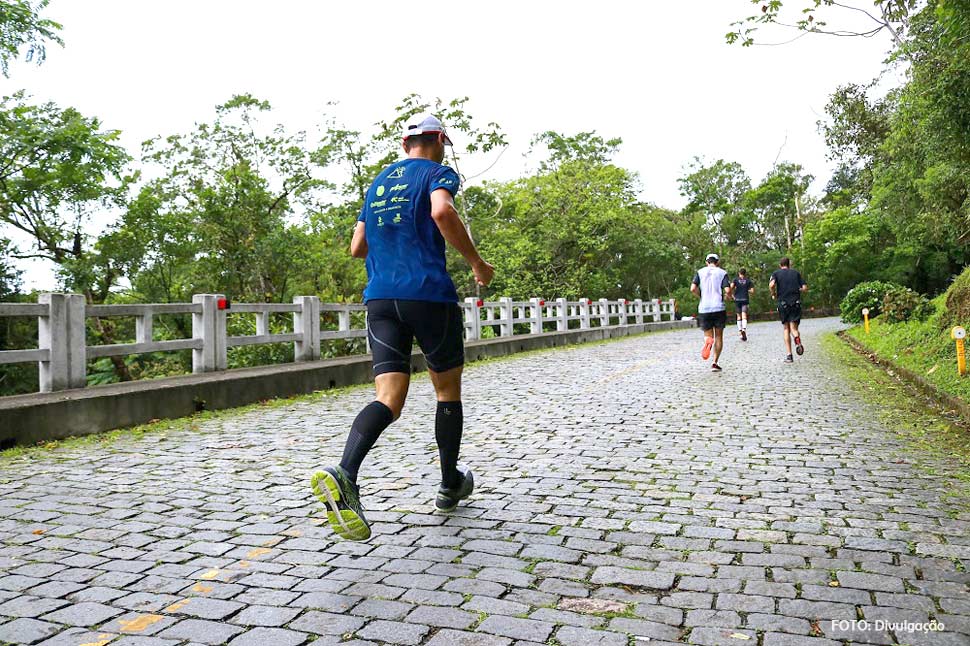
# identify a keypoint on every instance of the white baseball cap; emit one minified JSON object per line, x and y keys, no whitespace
{"x":425,"y":124}
{"x":714,"y":257}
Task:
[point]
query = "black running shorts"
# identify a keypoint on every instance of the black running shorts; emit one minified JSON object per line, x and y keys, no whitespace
{"x":393,"y":325}
{"x":790,"y":312}
{"x":711,"y":320}
{"x":741,"y":307}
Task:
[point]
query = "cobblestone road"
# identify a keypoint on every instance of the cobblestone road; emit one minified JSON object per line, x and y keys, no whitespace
{"x":626,"y":496}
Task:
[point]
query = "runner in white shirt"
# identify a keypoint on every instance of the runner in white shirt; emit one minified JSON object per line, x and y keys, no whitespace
{"x":712,"y":284}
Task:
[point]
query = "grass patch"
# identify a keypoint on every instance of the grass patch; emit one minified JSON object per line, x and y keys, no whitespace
{"x":930,"y":435}
{"x":920,"y":346}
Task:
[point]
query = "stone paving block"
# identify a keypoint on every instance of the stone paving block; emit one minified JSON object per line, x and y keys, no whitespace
{"x":442,"y":617}
{"x":394,"y":632}
{"x":778,"y":623}
{"x":494,"y":606}
{"x":27,"y":631}
{"x":75,"y":636}
{"x":139,"y":623}
{"x":641,"y":628}
{"x":461,"y":638}
{"x":204,"y":608}
{"x":135,"y":640}
{"x":325,"y":601}
{"x":326,"y":623}
{"x":639,"y":578}
{"x":865,"y":581}
{"x":515,"y":628}
{"x":573,"y":636}
{"x":268,"y":616}
{"x":201,"y":631}
{"x":713,"y":636}
{"x":784,"y":639}
{"x":28,"y":606}
{"x":382,"y":609}
{"x":267,"y":636}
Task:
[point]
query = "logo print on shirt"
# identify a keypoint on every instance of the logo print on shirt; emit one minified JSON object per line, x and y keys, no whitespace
{"x":444,"y":180}
{"x":397,"y":173}
{"x":397,"y":187}
{"x":380,"y":190}
{"x":397,"y":219}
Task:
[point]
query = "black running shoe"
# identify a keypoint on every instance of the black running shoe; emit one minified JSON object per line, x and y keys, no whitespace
{"x":334,"y":488}
{"x":789,"y":359}
{"x":744,"y":335}
{"x":715,"y":368}
{"x":448,"y":499}
{"x":799,"y":348}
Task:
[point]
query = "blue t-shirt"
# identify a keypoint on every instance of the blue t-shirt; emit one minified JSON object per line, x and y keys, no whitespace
{"x":405,"y":249}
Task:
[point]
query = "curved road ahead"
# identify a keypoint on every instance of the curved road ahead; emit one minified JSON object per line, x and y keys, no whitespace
{"x":626,"y":496}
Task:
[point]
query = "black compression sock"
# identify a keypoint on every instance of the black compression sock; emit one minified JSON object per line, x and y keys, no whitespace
{"x":447,"y":432}
{"x":370,"y":423}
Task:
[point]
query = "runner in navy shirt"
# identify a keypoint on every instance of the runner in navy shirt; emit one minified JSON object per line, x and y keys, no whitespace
{"x":408,"y":215}
{"x":743,"y":288}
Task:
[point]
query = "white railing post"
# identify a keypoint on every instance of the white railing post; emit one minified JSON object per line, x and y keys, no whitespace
{"x":584,"y":313}
{"x":622,"y":308}
{"x":638,"y":310}
{"x":536,"y":323}
{"x":343,"y":319}
{"x":604,"y":312}
{"x":262,"y":323}
{"x":657,"y":311}
{"x":307,"y":323}
{"x":144,"y":326}
{"x":474,"y":322}
{"x":673,"y":309}
{"x":508,"y":316}
{"x":204,"y":329}
{"x":62,"y":332}
{"x":562,"y":314}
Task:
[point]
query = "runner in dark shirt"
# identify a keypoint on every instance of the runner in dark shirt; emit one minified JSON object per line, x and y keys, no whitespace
{"x":787,"y":286}
{"x":743,"y":288}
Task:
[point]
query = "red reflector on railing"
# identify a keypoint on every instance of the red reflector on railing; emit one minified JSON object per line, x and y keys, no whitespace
{"x":479,"y":302}
{"x":223,"y":303}
{"x":541,"y":303}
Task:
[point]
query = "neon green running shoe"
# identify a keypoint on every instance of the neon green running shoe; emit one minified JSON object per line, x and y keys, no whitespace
{"x":341,"y":497}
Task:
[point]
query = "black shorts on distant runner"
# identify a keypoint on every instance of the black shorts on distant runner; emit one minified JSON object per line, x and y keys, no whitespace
{"x":741,"y":307}
{"x":393,"y":325}
{"x":711,"y":320}
{"x":790,"y":312}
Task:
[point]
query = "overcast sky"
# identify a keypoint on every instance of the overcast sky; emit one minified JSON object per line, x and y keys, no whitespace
{"x":656,"y":73}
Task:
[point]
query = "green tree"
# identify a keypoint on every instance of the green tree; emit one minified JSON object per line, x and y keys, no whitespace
{"x":22,"y":28}
{"x":58,"y":169}
{"x":221,"y":217}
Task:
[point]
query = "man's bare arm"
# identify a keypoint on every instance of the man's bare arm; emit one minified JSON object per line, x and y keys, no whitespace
{"x":694,"y":289}
{"x":453,"y":230}
{"x":771,"y":288}
{"x":358,"y":245}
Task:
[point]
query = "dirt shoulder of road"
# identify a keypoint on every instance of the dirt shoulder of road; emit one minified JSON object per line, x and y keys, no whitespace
{"x":933,"y":434}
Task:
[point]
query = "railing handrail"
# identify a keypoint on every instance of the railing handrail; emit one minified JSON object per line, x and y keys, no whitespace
{"x":62,"y":351}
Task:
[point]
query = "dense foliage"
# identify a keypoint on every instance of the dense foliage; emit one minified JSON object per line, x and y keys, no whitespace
{"x":870,"y":294}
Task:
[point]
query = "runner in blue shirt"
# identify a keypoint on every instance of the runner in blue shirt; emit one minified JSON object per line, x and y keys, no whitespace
{"x":408,"y":216}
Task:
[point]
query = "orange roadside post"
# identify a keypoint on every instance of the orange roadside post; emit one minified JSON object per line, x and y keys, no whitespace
{"x":958,"y":334}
